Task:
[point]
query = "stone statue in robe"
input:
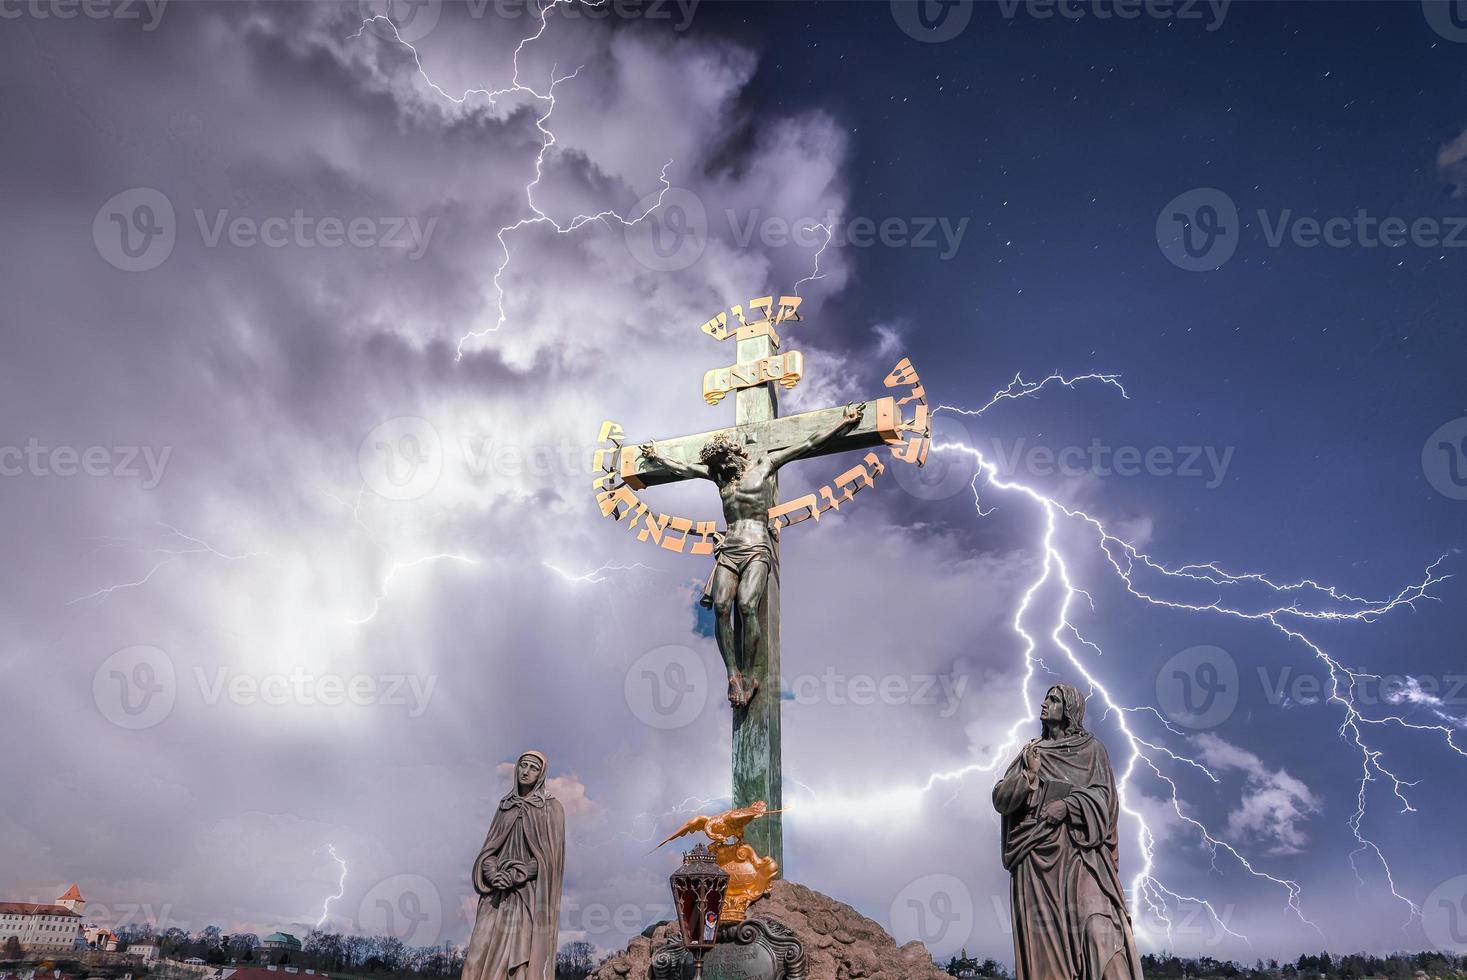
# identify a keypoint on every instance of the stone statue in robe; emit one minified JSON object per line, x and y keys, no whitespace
{"x":518,"y":875}
{"x":1058,"y":801}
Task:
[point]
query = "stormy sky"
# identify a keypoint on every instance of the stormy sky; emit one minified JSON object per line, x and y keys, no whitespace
{"x":303,"y":370}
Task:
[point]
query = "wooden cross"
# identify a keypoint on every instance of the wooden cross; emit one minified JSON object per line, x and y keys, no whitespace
{"x":757,"y":767}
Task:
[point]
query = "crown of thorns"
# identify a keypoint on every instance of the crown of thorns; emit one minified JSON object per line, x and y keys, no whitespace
{"x":721,"y":447}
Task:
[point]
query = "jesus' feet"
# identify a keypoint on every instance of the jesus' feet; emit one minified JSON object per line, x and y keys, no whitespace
{"x":741,"y":689}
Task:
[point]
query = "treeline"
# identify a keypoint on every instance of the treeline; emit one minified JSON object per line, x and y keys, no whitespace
{"x":336,"y":953}
{"x":1354,"y":966}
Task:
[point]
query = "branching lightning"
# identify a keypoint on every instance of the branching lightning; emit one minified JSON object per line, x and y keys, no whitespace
{"x":195,"y":546}
{"x":340,"y":887}
{"x":400,"y":566}
{"x":1305,"y":600}
{"x":546,"y":100}
{"x":597,"y":575}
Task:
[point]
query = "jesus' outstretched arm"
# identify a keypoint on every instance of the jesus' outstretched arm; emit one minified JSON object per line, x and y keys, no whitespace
{"x":851,"y":418}
{"x":686,"y":471}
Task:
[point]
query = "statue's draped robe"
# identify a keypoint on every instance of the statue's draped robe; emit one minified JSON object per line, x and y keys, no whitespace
{"x":515,"y":930}
{"x":1070,"y":920}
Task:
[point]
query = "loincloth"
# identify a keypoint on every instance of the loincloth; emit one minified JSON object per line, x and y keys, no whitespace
{"x":736,"y":556}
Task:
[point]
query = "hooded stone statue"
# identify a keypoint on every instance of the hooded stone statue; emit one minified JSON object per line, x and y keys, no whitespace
{"x":1058,"y":801}
{"x":518,"y":874}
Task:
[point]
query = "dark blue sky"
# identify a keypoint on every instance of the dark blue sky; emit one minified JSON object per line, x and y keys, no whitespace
{"x":1324,"y":369}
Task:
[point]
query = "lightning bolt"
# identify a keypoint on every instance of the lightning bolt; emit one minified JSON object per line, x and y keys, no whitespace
{"x":399,"y":566}
{"x":546,"y":101}
{"x":1290,"y":603}
{"x":1019,"y":388}
{"x":1127,"y":561}
{"x":597,"y":575}
{"x":196,"y":546}
{"x":815,"y":273}
{"x":340,"y":887}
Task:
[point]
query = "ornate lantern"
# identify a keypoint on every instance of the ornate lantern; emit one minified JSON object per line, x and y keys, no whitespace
{"x":698,"y":888}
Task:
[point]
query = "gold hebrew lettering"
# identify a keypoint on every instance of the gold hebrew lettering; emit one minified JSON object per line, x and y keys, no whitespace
{"x":707,"y":532}
{"x":802,"y":509}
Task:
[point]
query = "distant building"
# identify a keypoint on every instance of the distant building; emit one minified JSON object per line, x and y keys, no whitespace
{"x":100,"y":937}
{"x":44,"y":927}
{"x":280,"y":942}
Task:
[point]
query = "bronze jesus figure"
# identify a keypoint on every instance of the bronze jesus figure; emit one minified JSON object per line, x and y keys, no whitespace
{"x":1058,"y":801}
{"x":744,"y":558}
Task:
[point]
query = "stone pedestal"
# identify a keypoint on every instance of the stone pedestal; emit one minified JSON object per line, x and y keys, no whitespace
{"x":755,"y":949}
{"x":836,"y":943}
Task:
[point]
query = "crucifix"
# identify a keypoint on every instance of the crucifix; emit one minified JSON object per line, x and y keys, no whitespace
{"x":743,"y":461}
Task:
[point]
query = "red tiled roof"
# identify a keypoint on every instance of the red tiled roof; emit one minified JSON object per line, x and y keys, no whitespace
{"x":71,"y":895}
{"x":30,"y":908}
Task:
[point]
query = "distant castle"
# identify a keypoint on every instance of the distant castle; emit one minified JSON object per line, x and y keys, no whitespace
{"x":45,"y":927}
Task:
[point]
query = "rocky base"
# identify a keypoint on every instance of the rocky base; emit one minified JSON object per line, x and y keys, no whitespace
{"x":840,"y":943}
